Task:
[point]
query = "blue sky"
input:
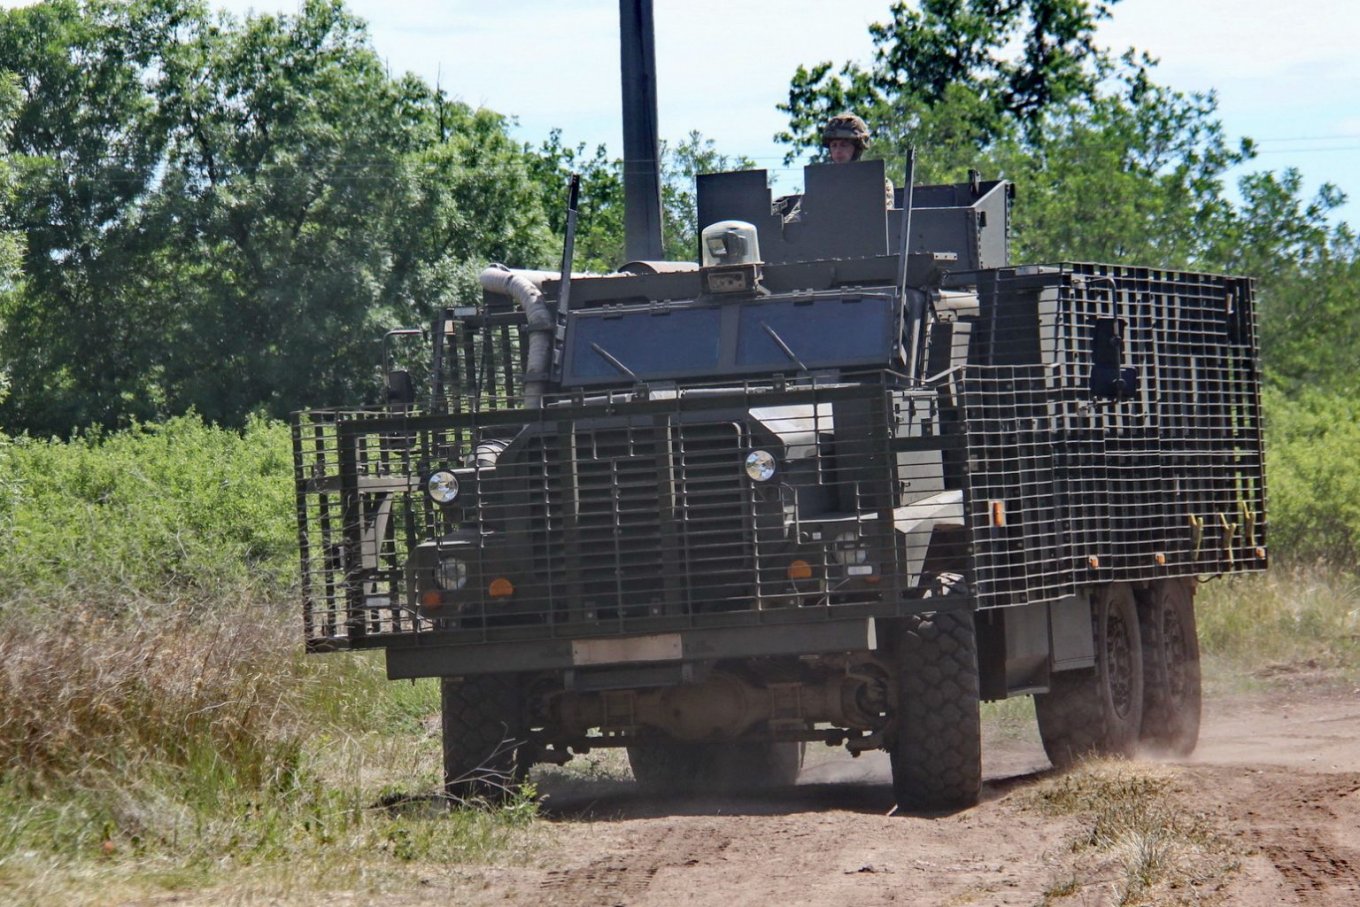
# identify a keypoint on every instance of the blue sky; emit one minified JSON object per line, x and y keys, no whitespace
{"x":1287,"y":75}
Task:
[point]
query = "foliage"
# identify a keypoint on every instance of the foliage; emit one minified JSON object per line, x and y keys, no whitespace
{"x":11,"y":241}
{"x":206,"y":693}
{"x":599,"y":214}
{"x":1134,"y":837}
{"x":1308,"y":272}
{"x":171,"y":749}
{"x":157,"y":714}
{"x":1149,"y":159}
{"x":1294,"y":615}
{"x":1109,"y":164}
{"x":179,"y":512}
{"x":259,"y":195}
{"x":955,"y":55}
{"x":1312,"y":438}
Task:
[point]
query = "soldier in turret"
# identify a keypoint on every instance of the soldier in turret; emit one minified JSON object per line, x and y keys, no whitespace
{"x":845,"y":137}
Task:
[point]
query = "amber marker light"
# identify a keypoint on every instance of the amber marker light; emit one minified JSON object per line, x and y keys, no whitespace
{"x":1160,"y":559}
{"x":998,"y":513}
{"x":1094,"y":562}
{"x":432,"y":599}
{"x":800,"y":569}
{"x":500,"y":588}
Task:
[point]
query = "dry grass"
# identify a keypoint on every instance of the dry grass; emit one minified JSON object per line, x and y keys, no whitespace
{"x":1137,"y":843}
{"x":1254,"y":627}
{"x":162,"y":750}
{"x":89,"y":696}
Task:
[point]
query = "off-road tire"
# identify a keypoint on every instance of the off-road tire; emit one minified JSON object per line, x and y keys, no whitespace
{"x":937,"y":753}
{"x":483,"y":726}
{"x":668,"y":767}
{"x":1171,"y":668}
{"x":1099,"y":710}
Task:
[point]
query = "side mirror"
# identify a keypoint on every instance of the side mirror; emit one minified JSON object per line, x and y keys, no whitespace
{"x":400,"y":390}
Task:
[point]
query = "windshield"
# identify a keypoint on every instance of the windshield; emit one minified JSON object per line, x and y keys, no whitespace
{"x":711,"y":339}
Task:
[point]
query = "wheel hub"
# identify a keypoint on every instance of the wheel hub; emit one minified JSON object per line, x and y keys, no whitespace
{"x":1119,"y":656}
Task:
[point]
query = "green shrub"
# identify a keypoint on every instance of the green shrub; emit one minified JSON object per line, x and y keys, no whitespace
{"x":1313,"y":477}
{"x":181,"y":511}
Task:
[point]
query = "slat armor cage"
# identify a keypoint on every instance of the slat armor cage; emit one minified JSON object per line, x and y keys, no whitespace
{"x":1164,"y":477}
{"x":1081,"y":424}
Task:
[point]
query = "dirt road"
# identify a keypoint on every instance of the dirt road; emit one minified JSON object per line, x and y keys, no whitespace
{"x":1267,"y":812}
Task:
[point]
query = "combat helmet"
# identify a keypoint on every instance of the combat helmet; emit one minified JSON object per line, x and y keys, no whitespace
{"x":846,"y":126}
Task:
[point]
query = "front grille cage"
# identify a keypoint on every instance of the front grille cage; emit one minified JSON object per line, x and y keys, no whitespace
{"x":617,"y":514}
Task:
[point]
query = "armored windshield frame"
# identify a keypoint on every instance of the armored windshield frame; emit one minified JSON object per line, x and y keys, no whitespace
{"x":704,"y":338}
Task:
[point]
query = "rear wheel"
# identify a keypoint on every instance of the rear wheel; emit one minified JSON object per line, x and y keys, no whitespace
{"x":483,"y":735}
{"x":1171,"y":669}
{"x":937,"y":753}
{"x":672,"y":767}
{"x":1099,"y":710}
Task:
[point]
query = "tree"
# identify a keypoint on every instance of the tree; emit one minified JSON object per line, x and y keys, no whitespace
{"x":11,"y":241}
{"x":1308,"y":271}
{"x":225,"y":215}
{"x":337,"y":198}
{"x":86,"y":143}
{"x":1112,"y":166}
{"x":1134,"y":173}
{"x":955,"y":55}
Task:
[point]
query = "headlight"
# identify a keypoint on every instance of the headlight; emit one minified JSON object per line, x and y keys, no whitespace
{"x":450,"y":574}
{"x":849,"y":550}
{"x":761,"y":465}
{"x":442,"y":487}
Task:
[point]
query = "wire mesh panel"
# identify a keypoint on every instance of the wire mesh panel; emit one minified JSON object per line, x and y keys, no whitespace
{"x":620,"y":512}
{"x":479,"y":360}
{"x":359,"y":515}
{"x":1113,"y":430}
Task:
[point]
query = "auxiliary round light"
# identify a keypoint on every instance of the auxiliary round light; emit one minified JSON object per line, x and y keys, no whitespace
{"x":761,"y":465}
{"x":500,"y":588}
{"x":450,"y":574}
{"x":800,"y":569}
{"x":442,"y":487}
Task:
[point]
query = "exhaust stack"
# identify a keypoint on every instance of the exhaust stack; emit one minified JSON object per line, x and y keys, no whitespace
{"x":641,"y":164}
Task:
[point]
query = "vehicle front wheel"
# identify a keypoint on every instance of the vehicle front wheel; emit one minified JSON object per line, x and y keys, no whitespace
{"x":1098,"y":710}
{"x":483,"y":725}
{"x":937,"y":754}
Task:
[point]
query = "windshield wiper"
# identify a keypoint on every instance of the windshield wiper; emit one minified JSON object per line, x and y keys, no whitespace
{"x":609,"y":357}
{"x":793,"y":357}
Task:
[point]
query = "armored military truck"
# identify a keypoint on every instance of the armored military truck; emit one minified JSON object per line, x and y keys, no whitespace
{"x":837,"y":481}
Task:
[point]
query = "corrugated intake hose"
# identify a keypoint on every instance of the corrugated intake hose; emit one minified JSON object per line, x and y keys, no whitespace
{"x":525,"y":287}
